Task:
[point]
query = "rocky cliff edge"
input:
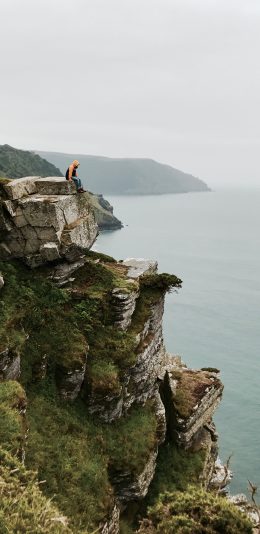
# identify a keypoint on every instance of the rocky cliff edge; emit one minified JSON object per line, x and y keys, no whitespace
{"x":83,"y":335}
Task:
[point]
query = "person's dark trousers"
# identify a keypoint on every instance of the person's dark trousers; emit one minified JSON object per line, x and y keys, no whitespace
{"x":77,"y":182}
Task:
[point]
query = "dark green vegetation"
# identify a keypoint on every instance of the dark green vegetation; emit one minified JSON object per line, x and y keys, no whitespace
{"x":16,"y":163}
{"x":127,"y":176}
{"x":194,"y":511}
{"x":162,"y":282}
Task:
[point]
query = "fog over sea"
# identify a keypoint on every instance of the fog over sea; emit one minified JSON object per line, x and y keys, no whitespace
{"x":212,"y":242}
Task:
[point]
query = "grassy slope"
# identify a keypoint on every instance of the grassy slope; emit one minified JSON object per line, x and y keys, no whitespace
{"x":127,"y":176}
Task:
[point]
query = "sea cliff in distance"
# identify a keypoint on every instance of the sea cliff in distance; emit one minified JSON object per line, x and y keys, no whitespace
{"x":127,"y":176}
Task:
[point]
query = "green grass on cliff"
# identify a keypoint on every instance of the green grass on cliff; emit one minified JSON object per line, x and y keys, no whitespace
{"x":176,"y":469}
{"x":23,"y":507}
{"x":191,"y":386}
{"x":12,"y":426}
{"x":74,"y":453}
{"x":194,"y":511}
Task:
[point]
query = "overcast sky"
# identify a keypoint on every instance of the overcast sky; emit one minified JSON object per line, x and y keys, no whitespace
{"x":174,"y":80}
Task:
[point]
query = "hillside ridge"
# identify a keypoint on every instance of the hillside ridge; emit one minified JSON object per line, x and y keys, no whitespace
{"x":128,"y":176}
{"x":16,"y":163}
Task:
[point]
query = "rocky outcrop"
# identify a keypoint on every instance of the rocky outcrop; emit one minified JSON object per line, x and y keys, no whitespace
{"x":248,"y":508}
{"x":9,"y":364}
{"x":69,"y":381}
{"x":139,"y":382}
{"x":104,"y":215}
{"x":124,"y":300}
{"x":130,"y":487}
{"x":142,"y":379}
{"x":1,"y":281}
{"x":43,"y":220}
{"x":123,"y":305}
{"x":191,"y":397}
{"x":111,"y":526}
{"x":138,"y":267}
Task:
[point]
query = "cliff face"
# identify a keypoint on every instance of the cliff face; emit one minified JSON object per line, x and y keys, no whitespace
{"x":83,"y":334}
{"x":42,"y":219}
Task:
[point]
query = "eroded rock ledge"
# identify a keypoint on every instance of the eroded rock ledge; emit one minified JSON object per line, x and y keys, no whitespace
{"x":43,"y":220}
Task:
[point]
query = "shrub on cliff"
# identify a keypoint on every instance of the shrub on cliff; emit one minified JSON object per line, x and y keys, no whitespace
{"x":163,"y":282}
{"x":194,"y":512}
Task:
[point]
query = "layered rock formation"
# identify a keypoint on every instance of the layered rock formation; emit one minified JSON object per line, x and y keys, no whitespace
{"x":99,"y":341}
{"x":43,"y":220}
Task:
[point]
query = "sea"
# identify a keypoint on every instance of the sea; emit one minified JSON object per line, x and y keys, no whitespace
{"x":212,"y":242}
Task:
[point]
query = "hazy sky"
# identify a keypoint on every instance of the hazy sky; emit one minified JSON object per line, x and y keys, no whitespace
{"x":174,"y":80}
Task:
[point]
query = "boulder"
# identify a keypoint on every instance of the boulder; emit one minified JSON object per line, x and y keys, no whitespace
{"x":20,"y":188}
{"x":138,"y":267}
{"x":55,"y":186}
{"x":43,"y":220}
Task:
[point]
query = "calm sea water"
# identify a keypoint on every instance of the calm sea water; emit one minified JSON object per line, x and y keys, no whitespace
{"x":212,"y":242}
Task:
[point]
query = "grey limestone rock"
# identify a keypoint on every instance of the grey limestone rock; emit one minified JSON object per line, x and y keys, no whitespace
{"x":19,"y":188}
{"x":129,"y":487}
{"x":1,"y":281}
{"x":123,"y":306}
{"x":139,"y":382}
{"x":69,"y":381}
{"x":43,"y":220}
{"x":61,"y":274}
{"x":160,"y":416}
{"x":221,"y":476}
{"x":49,"y":251}
{"x":9,"y":365}
{"x":143,"y":376}
{"x":111,"y":526}
{"x":140,"y":266}
{"x":55,"y":186}
{"x":108,"y":408}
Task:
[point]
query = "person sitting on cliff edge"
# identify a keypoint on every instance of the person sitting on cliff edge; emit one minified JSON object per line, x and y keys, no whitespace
{"x":71,"y":174}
